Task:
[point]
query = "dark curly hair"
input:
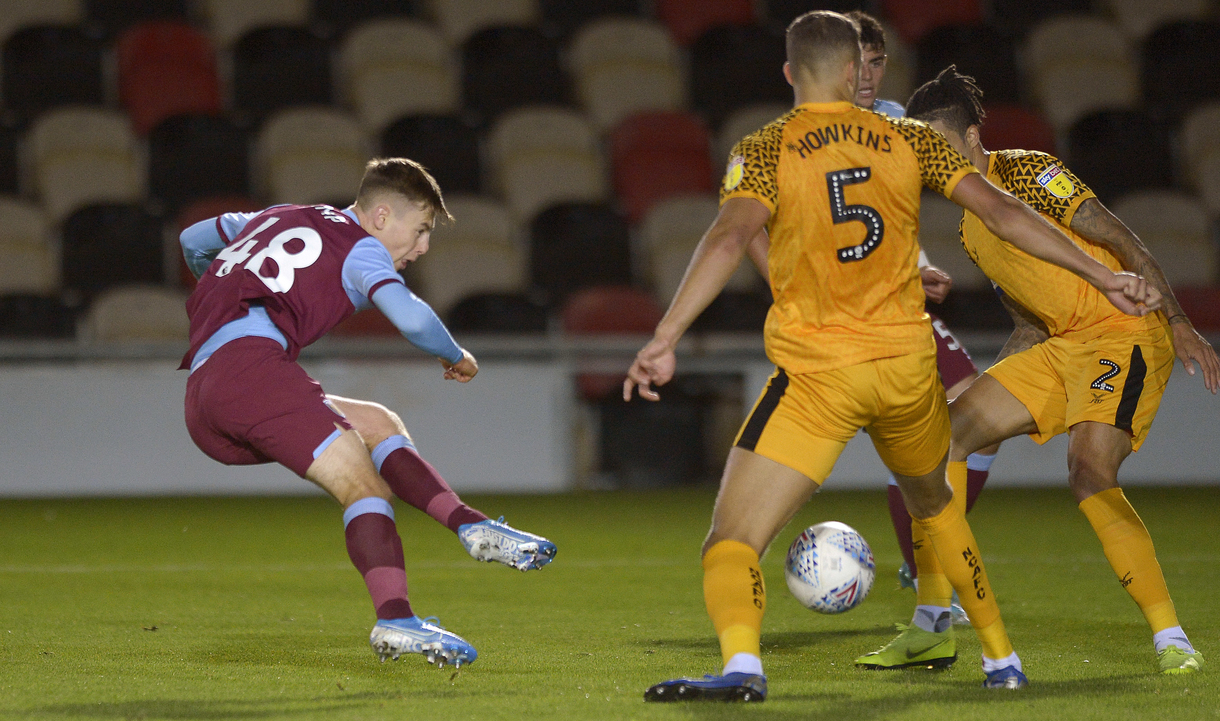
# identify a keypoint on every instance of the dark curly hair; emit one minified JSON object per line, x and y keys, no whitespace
{"x":951,"y":98}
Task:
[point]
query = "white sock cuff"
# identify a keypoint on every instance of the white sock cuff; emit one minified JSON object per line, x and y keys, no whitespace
{"x":744,"y":663}
{"x":993,"y":664}
{"x":372,"y":504}
{"x":979,"y":462}
{"x":1174,"y":636}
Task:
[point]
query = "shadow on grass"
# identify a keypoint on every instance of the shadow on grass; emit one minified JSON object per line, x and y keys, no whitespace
{"x":784,"y":640}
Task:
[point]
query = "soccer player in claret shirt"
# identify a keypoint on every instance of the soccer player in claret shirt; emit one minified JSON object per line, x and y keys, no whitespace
{"x":838,"y":188}
{"x":1073,"y":364}
{"x":275,"y":281}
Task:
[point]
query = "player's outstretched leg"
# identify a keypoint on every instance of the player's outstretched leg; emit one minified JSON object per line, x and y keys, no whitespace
{"x":415,"y":481}
{"x":497,"y":541}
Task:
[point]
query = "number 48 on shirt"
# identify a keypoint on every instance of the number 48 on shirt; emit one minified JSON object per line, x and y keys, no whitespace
{"x":286,"y":262}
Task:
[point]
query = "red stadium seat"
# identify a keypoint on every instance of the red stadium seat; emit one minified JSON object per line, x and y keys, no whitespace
{"x":657,"y":156}
{"x":913,"y":18}
{"x":608,"y":310}
{"x":1201,"y":305}
{"x":688,"y":19}
{"x":166,"y":68}
{"x":369,"y":324}
{"x":1011,"y":126}
{"x":202,"y":210}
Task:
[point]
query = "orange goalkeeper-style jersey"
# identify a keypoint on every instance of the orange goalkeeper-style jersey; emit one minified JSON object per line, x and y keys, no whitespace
{"x":843,"y":185}
{"x":1068,"y":305}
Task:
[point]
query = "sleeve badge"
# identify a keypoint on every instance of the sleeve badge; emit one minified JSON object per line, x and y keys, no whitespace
{"x":1056,"y":182}
{"x":734,"y":173}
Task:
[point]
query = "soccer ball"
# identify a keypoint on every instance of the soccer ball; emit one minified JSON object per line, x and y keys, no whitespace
{"x":830,"y":568}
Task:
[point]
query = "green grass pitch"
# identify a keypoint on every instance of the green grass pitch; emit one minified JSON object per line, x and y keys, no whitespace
{"x":249,"y":609}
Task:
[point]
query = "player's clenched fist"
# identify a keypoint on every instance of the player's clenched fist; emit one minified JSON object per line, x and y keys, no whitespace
{"x":463,"y":370}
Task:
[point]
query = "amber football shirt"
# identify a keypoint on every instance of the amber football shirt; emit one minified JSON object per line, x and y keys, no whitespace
{"x":842,"y":184}
{"x":1068,"y":305}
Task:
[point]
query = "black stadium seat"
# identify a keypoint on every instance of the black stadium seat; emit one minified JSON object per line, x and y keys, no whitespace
{"x":563,"y":17}
{"x":35,"y":316}
{"x":734,"y":66}
{"x":735,"y":311}
{"x":110,"y":245}
{"x":1180,"y":67}
{"x":509,"y":67}
{"x":446,"y":145}
{"x":196,"y":156}
{"x":781,"y":13}
{"x":1117,"y":151}
{"x":10,"y":138}
{"x":577,"y":245}
{"x":1016,"y":17}
{"x":337,"y":16}
{"x":278,"y":67}
{"x":979,"y":51}
{"x":498,"y":313}
{"x":112,"y":17}
{"x":47,"y":65}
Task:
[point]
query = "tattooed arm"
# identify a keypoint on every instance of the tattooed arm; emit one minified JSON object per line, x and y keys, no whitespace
{"x":1093,"y":221}
{"x":1028,"y":330}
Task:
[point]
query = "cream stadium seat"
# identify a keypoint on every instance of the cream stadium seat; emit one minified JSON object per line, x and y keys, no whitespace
{"x":311,"y":155}
{"x":1140,"y":17}
{"x":1065,"y":38}
{"x":391,"y":68}
{"x":228,"y":20}
{"x":84,"y":155}
{"x":29,"y":260}
{"x":1073,"y":90}
{"x":541,"y":156}
{"x":459,"y":19}
{"x":939,"y":219}
{"x":17,"y":14}
{"x":626,"y":65}
{"x":479,"y":253}
{"x":740,"y":123}
{"x":669,"y":233}
{"x":137,"y":313}
{"x":1177,"y":231}
{"x":1201,"y":154}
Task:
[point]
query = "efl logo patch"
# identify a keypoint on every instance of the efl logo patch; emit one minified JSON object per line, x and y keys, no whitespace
{"x":736,"y":169}
{"x":1057,"y":182}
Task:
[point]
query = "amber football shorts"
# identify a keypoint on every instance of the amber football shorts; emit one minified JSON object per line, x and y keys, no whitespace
{"x":804,"y":421}
{"x":1116,"y":379}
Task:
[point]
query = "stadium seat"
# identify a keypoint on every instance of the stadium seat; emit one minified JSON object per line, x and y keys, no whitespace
{"x":543,"y":156}
{"x":735,"y":311}
{"x":939,"y":219}
{"x":1068,"y":92}
{"x":166,"y":68}
{"x":446,"y":145}
{"x":498,"y":313}
{"x":405,"y":55}
{"x":608,"y":310}
{"x":688,"y":19}
{"x":1009,"y":125}
{"x":1177,"y":231}
{"x":1200,"y":141}
{"x":653,"y":445}
{"x":781,"y":13}
{"x":112,"y":17}
{"x":459,"y":20}
{"x":47,"y":66}
{"x":29,"y":260}
{"x":624,"y":65}
{"x":564,"y":17}
{"x":1179,"y":67}
{"x":914,"y":18}
{"x":17,"y":14}
{"x":84,"y":155}
{"x":203,"y":209}
{"x":1201,"y":304}
{"x":743,"y":121}
{"x":511,"y":67}
{"x":368,"y":324}
{"x":979,"y":51}
{"x":1139,"y":17}
{"x":669,"y":233}
{"x":26,"y":316}
{"x":228,"y":20}
{"x":732,"y":67}
{"x":10,"y":176}
{"x":340,"y":16}
{"x":578,"y":245}
{"x":1017,"y":17}
{"x":479,"y":253}
{"x":1074,"y":38}
{"x":279,"y":67}
{"x":311,"y":155}
{"x":195,"y":156}
{"x":1117,"y":151}
{"x":659,"y":155}
{"x":137,"y":313}
{"x":126,"y":241}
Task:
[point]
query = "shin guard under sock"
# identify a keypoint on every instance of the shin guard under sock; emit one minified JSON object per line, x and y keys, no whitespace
{"x":415,"y":481}
{"x":736,"y":597}
{"x":376,"y":552}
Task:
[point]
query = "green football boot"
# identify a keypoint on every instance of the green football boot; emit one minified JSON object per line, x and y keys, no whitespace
{"x":1175,"y":660}
{"x":913,"y":648}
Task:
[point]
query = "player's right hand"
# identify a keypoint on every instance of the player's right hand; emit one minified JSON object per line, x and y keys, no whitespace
{"x":654,"y":364}
{"x":1131,"y":294}
{"x":936,"y":283}
{"x":463,"y":370}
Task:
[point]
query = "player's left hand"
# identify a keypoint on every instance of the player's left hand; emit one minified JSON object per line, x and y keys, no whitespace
{"x":1190,"y":346}
{"x":655,"y":363}
{"x":463,"y":370}
{"x":936,"y":283}
{"x":1131,"y":294}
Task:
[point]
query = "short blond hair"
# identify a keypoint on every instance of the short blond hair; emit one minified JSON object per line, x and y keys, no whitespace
{"x":822,"y":42}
